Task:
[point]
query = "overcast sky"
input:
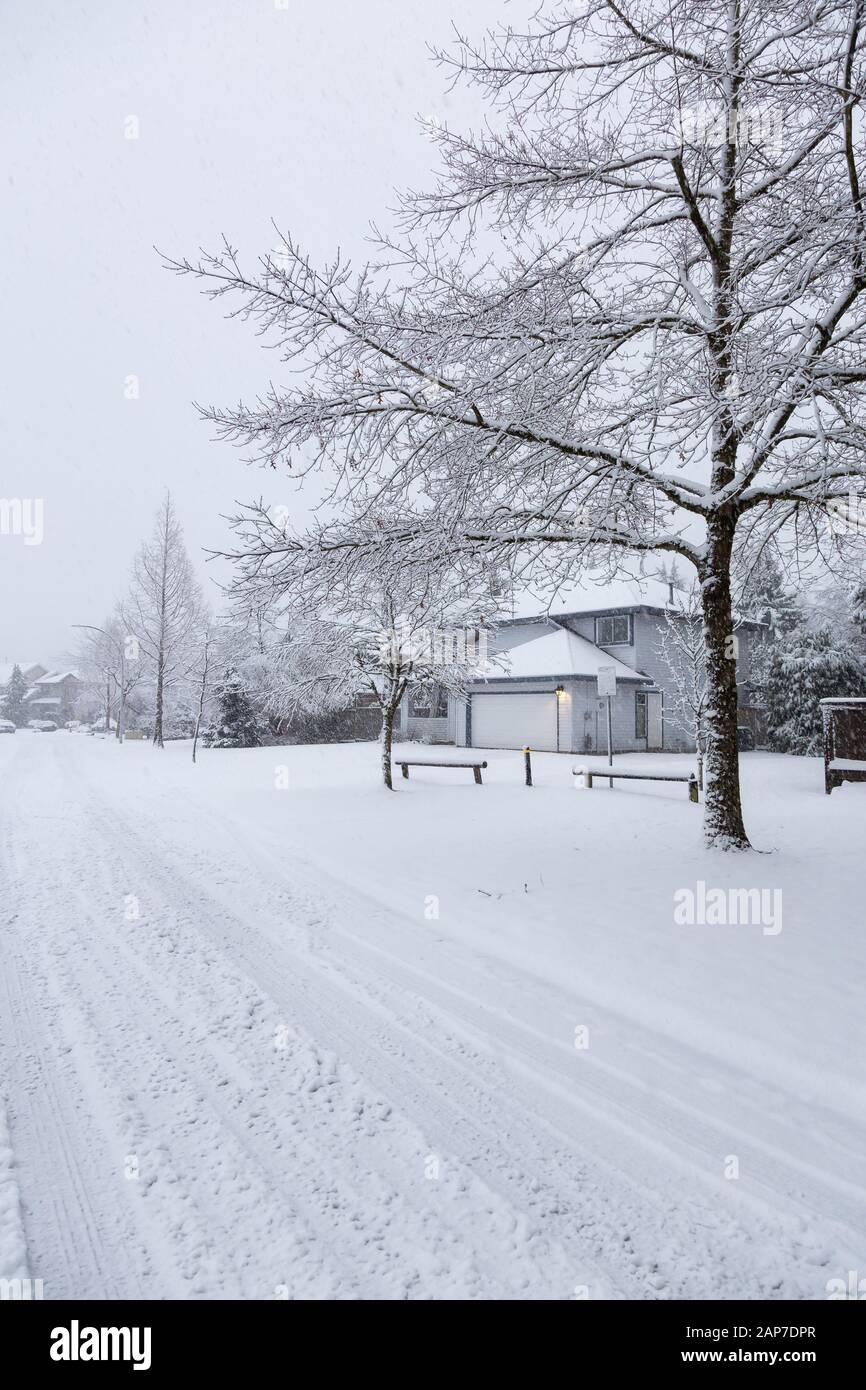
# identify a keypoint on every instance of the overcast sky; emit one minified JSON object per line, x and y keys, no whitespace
{"x":246,"y":112}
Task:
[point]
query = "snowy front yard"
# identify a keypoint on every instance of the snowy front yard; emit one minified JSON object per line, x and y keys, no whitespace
{"x":271,"y":1031}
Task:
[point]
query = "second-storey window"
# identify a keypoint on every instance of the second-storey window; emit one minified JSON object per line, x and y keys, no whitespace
{"x":614,"y":631}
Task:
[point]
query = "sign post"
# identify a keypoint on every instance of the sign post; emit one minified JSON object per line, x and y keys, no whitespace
{"x":606,"y":691}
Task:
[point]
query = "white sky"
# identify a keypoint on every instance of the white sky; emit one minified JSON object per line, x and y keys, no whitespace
{"x":247,"y":112}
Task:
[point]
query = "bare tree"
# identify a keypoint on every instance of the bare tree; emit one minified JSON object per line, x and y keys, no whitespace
{"x":358,"y":623}
{"x":204,"y":669}
{"x":164,"y":608}
{"x":683,"y":650}
{"x":106,"y":657}
{"x":628,"y":317}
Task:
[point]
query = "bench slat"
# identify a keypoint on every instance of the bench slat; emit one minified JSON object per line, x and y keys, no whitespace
{"x":688,"y":777}
{"x":405,"y":763}
{"x":410,"y":762}
{"x":641,"y":776}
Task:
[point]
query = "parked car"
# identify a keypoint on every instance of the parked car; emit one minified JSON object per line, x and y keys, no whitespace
{"x":42,"y":726}
{"x":6,"y":726}
{"x":745,"y":738}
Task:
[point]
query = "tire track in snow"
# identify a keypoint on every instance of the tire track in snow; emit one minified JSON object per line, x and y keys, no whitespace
{"x":79,"y":1239}
{"x":449,"y":1256}
{"x":763,"y":1249}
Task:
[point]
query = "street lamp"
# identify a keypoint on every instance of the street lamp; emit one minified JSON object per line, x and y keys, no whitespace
{"x":121,"y":714}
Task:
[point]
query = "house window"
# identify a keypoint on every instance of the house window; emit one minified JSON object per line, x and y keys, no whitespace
{"x":614,"y":631}
{"x":640,"y":725}
{"x":428,"y":702}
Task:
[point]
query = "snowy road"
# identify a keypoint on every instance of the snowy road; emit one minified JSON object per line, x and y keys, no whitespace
{"x":230,"y":1073}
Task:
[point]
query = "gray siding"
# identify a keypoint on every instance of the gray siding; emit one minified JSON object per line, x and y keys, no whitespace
{"x":649,"y":629}
{"x":584,"y":626}
{"x":427,"y":730}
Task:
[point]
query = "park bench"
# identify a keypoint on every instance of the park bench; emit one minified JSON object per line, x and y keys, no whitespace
{"x":406,"y":764}
{"x":688,"y":777}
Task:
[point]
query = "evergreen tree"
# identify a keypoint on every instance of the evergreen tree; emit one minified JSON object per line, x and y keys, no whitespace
{"x":238,"y":725}
{"x":765,"y":598}
{"x":806,"y":666}
{"x":13,"y":706}
{"x":858,"y":608}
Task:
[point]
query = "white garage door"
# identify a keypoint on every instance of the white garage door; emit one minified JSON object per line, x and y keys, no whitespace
{"x":513,"y":721}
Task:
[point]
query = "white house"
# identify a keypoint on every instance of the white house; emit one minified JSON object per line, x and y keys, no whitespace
{"x":541,"y":687}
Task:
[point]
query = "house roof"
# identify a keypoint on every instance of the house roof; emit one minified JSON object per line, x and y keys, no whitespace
{"x":652,"y":595}
{"x":55,"y":677}
{"x":560,"y":653}
{"x":590,"y":597}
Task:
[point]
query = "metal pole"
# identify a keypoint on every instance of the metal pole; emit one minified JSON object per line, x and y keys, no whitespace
{"x":609,"y":741}
{"x":528,"y":765}
{"x":121,"y":718}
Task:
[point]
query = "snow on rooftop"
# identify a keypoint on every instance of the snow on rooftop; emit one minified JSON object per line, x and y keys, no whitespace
{"x":561,"y":653}
{"x":54,"y":677}
{"x":587,"y":595}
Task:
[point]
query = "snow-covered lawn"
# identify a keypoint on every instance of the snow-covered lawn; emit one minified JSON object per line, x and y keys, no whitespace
{"x":271,"y":1031}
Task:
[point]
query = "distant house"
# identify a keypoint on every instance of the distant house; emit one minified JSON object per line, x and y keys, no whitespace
{"x":53,"y":695}
{"x":545,"y":690}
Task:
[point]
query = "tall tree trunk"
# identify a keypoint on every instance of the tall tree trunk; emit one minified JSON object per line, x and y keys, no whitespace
{"x":108,"y":704}
{"x":386,"y":740}
{"x":201,"y":695}
{"x":157,"y":722}
{"x":723,"y":814}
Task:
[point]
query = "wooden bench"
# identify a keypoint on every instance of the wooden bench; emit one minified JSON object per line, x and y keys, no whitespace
{"x":405,"y":765}
{"x":687,"y":777}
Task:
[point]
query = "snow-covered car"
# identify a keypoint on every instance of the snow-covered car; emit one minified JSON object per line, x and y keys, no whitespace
{"x":6,"y":726}
{"x":42,"y":726}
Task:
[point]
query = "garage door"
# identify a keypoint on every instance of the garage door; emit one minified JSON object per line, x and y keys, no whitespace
{"x":513,"y":721}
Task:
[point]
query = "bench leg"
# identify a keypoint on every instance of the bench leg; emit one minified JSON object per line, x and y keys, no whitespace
{"x":693,"y":789}
{"x":588,"y":781}
{"x":405,"y":770}
{"x":477,"y":771}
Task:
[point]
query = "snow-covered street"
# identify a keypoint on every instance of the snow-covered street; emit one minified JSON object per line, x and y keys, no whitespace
{"x":266,"y":1040}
